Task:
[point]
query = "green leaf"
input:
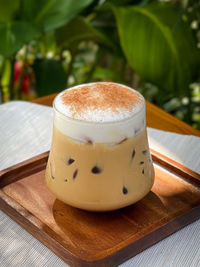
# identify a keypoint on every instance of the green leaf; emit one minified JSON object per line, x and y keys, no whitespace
{"x":5,"y":80}
{"x":123,"y":2}
{"x":50,"y":76}
{"x":104,"y":22}
{"x":77,"y":30}
{"x":51,"y":14}
{"x":8,"y":9}
{"x":105,"y":74}
{"x":158,"y":44}
{"x":15,"y":35}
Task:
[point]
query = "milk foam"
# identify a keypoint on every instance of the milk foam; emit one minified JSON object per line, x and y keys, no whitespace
{"x":99,"y":126}
{"x":100,"y":105}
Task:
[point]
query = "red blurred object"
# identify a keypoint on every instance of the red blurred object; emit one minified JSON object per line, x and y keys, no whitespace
{"x":25,"y":84}
{"x":26,"y":79}
{"x":17,"y":70}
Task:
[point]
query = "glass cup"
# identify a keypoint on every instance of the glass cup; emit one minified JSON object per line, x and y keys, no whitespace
{"x":99,"y":165}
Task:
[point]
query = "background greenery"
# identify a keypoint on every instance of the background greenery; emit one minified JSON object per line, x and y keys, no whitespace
{"x":153,"y":46}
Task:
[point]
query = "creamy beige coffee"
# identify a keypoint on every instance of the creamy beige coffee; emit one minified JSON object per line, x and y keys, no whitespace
{"x":99,"y":158}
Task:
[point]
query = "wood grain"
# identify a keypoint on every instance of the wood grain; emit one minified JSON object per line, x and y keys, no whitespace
{"x":178,"y":168}
{"x":156,"y":118}
{"x":22,"y":169}
{"x":100,"y":239}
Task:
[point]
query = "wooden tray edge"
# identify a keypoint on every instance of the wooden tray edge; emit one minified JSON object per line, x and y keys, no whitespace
{"x":31,"y":224}
{"x":114,"y":259}
{"x":159,"y":234}
{"x":17,"y":171}
{"x":38,"y":163}
{"x":173,"y":165}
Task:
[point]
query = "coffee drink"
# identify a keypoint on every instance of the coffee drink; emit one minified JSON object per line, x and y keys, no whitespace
{"x":99,"y":158}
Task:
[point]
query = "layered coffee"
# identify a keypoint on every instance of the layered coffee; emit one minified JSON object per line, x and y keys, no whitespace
{"x":99,"y":158}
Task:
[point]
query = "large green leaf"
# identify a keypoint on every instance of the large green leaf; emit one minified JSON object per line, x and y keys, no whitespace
{"x":8,"y":9}
{"x":104,"y":22}
{"x":158,"y":44}
{"x":50,"y":76}
{"x":104,"y":74}
{"x":51,"y":14}
{"x":14,"y":35}
{"x":77,"y":30}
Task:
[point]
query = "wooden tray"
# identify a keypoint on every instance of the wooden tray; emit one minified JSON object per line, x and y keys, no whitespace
{"x":100,"y":239}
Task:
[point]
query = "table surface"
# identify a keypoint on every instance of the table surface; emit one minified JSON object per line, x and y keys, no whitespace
{"x":182,"y":249}
{"x":156,"y":118}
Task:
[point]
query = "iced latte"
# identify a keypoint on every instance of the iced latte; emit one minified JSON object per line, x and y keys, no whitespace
{"x":99,"y":158}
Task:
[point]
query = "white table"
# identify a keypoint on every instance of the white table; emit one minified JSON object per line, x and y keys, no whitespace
{"x":25,"y":131}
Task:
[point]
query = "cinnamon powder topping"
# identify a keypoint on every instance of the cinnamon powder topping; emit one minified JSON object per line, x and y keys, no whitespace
{"x":104,"y":97}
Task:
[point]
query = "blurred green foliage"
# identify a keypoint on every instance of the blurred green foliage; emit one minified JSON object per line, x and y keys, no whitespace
{"x":151,"y":45}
